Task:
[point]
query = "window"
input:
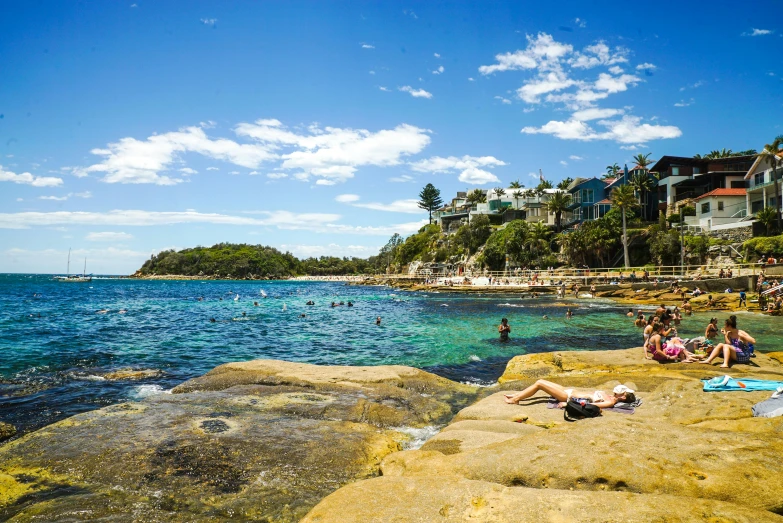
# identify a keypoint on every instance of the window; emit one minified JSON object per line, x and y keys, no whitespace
{"x":675,"y":171}
{"x":720,"y":206}
{"x":758,"y":178}
{"x":696,"y":170}
{"x":738,"y":184}
{"x":705,"y":208}
{"x":587,"y":196}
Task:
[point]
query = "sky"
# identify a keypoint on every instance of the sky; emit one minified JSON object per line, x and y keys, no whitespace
{"x":131,"y":127}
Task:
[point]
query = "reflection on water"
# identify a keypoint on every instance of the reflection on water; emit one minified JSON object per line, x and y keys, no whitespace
{"x":58,"y":352}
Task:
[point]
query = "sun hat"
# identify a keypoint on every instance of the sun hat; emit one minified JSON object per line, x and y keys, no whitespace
{"x":622,"y":389}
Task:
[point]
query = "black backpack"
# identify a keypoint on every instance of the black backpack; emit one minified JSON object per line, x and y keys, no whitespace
{"x":578,"y":409}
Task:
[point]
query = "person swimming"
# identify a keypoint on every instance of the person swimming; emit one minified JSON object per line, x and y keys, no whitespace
{"x":212,"y":320}
{"x":255,"y":304}
{"x":504,"y":329}
{"x":311,"y":302}
{"x":350,"y":304}
{"x":569,"y":314}
{"x":378,"y":321}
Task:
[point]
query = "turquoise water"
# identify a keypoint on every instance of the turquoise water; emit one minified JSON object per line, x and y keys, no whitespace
{"x":55,"y":347}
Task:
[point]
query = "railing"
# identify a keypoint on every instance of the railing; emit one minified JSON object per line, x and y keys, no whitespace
{"x":759,"y":185}
{"x":532,"y":278}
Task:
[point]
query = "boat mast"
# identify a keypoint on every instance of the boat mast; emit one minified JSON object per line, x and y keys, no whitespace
{"x":84,"y":272}
{"x":69,"y":262}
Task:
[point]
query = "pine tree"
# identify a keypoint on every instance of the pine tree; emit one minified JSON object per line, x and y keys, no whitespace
{"x":430,"y":199}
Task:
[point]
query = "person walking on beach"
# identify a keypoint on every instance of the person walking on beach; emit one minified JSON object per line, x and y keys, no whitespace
{"x":504,"y":329}
{"x":592,"y":291}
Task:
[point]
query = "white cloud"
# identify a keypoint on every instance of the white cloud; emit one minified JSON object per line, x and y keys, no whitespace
{"x":135,"y":161}
{"x":646,"y":67}
{"x":372,"y":72}
{"x":368,"y":46}
{"x":106,"y":260}
{"x":683,"y":103}
{"x":188,"y":170}
{"x":347,"y":198}
{"x":616,"y":69}
{"x":209,"y":21}
{"x":467,"y":166}
{"x":598,"y":54}
{"x":108,"y":236}
{"x":471,"y":79}
{"x":628,"y":129}
{"x":334,"y":154}
{"x":54,"y":198}
{"x":436,"y":55}
{"x":332,"y":249}
{"x":439,"y":70}
{"x":404,"y":178}
{"x":213,"y":169}
{"x":563,"y":162}
{"x":474,"y":175}
{"x":595,"y":113}
{"x":253,"y":173}
{"x":759,"y":32}
{"x":20,"y":199}
{"x":541,"y":51}
{"x":409,"y":206}
{"x":29,"y":179}
{"x":503,"y":100}
{"x":547,"y":83}
{"x":580,"y":22}
{"x":416,"y":93}
{"x":277,"y":176}
{"x":693,"y":85}
{"x":615,"y":84}
{"x":629,"y":147}
{"x":85,"y":194}
{"x":384,"y":89}
{"x":575,"y":157}
{"x":234,"y":172}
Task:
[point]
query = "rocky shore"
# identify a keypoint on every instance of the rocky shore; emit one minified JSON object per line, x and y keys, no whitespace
{"x":277,"y":441}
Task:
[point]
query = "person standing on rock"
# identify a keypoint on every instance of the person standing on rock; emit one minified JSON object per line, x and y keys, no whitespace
{"x":743,"y":299}
{"x":504,"y":329}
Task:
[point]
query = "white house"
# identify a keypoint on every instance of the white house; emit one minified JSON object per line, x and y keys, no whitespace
{"x":761,"y":187}
{"x":718,"y":208}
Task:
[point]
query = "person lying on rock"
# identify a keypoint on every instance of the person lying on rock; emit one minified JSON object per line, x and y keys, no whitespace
{"x":562,"y":394}
{"x":738,"y":346}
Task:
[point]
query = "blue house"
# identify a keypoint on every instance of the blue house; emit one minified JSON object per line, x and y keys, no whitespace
{"x":586,"y":193}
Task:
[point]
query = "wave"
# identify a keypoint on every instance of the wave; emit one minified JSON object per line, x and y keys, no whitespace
{"x":145,"y":391}
{"x":418,"y":436}
{"x":517,"y":305}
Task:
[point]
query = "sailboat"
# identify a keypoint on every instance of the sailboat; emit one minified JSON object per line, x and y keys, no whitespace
{"x":74,"y":278}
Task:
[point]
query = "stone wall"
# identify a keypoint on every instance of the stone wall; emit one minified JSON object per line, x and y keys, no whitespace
{"x":737,"y":235}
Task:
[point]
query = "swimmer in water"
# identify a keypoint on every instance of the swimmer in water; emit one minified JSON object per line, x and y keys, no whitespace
{"x":504,"y":329}
{"x":123,"y":311}
{"x":350,"y":304}
{"x":255,"y":304}
{"x":544,"y":317}
{"x":102,"y":311}
{"x":212,"y":320}
{"x":244,"y":314}
{"x":569,"y":314}
{"x":311,"y":302}
{"x":303,"y":315}
{"x":378,"y":321}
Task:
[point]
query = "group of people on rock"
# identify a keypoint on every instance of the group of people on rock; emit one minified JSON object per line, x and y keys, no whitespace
{"x":663,"y":344}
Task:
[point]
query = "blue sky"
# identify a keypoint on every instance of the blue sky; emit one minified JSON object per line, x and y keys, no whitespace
{"x":130,"y":127}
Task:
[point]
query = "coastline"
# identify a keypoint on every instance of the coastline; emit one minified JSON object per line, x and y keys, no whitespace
{"x":292,"y":441}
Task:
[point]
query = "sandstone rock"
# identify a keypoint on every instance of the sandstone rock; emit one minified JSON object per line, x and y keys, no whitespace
{"x":6,"y":431}
{"x":265,"y":452}
{"x":452,"y":499}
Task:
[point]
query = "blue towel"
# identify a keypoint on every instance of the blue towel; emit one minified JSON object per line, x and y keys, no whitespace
{"x":727,"y":383}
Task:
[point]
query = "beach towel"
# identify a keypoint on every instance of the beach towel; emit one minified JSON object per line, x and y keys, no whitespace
{"x":622,"y":408}
{"x":727,"y":383}
{"x":770,"y":408}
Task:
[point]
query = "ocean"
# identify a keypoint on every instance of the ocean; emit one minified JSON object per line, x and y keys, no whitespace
{"x":59,"y":352}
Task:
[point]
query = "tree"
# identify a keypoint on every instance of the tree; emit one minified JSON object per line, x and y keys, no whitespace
{"x":477,"y":196}
{"x":515,"y":185}
{"x":767,"y":217}
{"x":558,"y":203}
{"x":542,"y":185}
{"x":643,"y":160}
{"x":430,"y":199}
{"x":538,"y":239}
{"x":499,"y":192}
{"x":517,"y":195}
{"x":623,"y":197}
{"x":772,"y":156}
{"x":642,"y":184}
{"x":565,"y":183}
{"x":611,"y":171}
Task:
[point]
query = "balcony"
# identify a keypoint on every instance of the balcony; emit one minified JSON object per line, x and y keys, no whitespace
{"x":753,"y":185}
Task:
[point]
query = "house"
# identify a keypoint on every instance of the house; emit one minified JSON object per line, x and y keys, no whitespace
{"x":682,"y":179}
{"x":588,"y":199}
{"x":534,"y":206}
{"x":761,"y":186}
{"x":719,"y":207}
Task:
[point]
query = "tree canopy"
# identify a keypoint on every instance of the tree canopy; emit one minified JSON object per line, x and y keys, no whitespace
{"x":429,"y":199}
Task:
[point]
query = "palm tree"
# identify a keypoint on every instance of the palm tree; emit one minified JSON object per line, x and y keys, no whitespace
{"x":767,"y":218}
{"x":499,"y":191}
{"x":515,"y":185}
{"x":538,"y":238}
{"x":558,"y":203}
{"x":642,"y":184}
{"x":477,"y":196}
{"x":772,"y":156}
{"x":643,"y":160}
{"x":624,"y":198}
{"x":611,"y":171}
{"x":565,"y":183}
{"x":517,"y":195}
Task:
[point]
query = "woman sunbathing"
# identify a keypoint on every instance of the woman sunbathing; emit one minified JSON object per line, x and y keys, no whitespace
{"x":561,"y":394}
{"x":664,"y":351}
{"x":738,"y":345}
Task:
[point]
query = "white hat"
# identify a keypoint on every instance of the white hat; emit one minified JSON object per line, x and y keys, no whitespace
{"x":622,"y":389}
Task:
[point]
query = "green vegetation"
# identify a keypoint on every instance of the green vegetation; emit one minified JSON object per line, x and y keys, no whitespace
{"x":768,"y":245}
{"x":242,"y":261}
{"x":429,"y":199}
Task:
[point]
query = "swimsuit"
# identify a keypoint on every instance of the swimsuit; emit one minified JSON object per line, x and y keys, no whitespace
{"x":743,"y":350}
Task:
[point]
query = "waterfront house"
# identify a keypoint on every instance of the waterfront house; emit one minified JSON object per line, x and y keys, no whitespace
{"x":719,"y":209}
{"x":585,"y":194}
{"x":761,"y":186}
{"x":682,"y":179}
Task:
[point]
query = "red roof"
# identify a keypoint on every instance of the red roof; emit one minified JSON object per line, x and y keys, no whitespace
{"x":723,"y":192}
{"x":609,"y":181}
{"x":605,"y":201}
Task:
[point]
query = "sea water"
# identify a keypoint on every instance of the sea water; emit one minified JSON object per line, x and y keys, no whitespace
{"x":57,"y":347}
